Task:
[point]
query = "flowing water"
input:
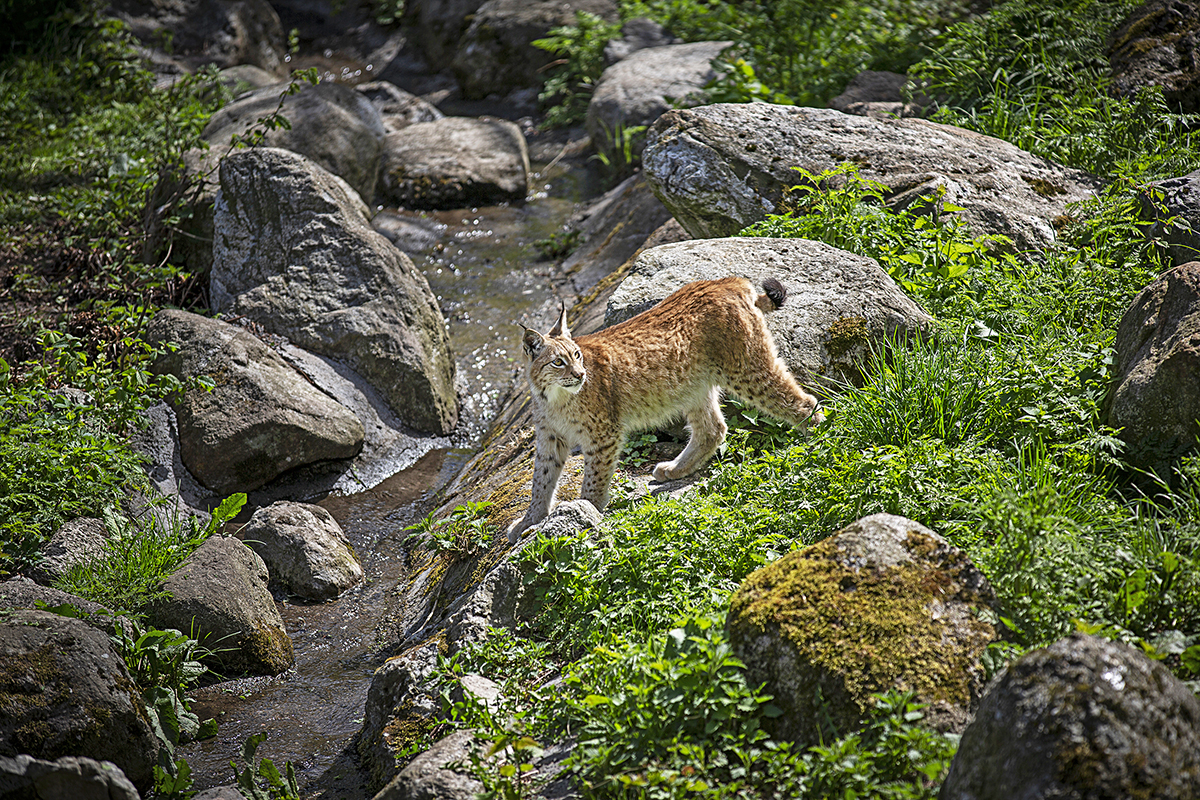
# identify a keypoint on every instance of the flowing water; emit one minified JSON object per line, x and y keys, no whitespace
{"x":487,"y":276}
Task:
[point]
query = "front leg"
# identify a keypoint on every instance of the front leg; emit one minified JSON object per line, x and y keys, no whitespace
{"x":599,"y":462}
{"x":551,"y":454}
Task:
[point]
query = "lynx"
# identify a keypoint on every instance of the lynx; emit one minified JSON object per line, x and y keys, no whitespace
{"x":669,"y":361}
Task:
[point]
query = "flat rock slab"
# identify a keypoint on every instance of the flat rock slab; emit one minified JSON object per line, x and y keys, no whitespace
{"x":455,"y":162}
{"x":261,"y":419}
{"x":720,"y":167}
{"x":837,"y":304}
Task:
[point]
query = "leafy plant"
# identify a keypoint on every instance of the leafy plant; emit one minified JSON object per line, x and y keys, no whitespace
{"x":558,"y":244}
{"x":621,"y":160}
{"x":466,"y":531}
{"x":140,"y":554}
{"x":580,"y":48}
{"x":263,"y":781}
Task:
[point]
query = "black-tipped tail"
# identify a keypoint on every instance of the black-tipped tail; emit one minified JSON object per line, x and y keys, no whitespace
{"x":775,"y":291}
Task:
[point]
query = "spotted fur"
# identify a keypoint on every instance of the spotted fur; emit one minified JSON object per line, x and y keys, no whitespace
{"x":672,"y":360}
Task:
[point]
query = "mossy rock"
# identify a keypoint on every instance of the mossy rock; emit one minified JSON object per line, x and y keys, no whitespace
{"x":884,"y":603}
{"x":1082,"y":719}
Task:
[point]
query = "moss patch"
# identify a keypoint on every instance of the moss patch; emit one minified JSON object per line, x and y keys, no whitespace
{"x":846,"y":335}
{"x":858,"y":631}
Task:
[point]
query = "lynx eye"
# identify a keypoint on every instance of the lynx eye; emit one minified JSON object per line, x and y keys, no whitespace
{"x":558,"y":362}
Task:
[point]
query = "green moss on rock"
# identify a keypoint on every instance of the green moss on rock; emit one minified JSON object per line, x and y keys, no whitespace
{"x":825,"y":628}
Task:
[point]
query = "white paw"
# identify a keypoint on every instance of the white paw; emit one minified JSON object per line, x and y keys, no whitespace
{"x":517,"y":528}
{"x":666,"y":471}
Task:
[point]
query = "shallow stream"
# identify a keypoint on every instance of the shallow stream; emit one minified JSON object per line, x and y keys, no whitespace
{"x":487,"y":275}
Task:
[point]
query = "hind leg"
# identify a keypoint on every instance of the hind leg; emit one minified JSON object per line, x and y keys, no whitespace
{"x":778,"y":394}
{"x":708,"y":432}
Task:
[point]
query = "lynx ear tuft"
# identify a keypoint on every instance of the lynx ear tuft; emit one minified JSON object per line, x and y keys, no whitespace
{"x":560,"y":328}
{"x":533,"y":341}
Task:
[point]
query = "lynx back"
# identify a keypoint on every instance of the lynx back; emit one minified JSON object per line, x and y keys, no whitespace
{"x":669,"y":361}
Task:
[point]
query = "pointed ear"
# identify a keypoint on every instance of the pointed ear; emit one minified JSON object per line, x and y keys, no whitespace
{"x":560,"y":328}
{"x":533,"y":342}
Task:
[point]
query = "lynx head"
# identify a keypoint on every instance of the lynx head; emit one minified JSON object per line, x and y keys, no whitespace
{"x":555,"y":361}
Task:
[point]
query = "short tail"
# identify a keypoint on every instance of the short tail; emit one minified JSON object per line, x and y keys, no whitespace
{"x":773,"y":297}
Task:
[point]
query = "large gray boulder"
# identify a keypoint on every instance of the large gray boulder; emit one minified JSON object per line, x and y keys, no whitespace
{"x":304,"y":549}
{"x":1158,"y":46}
{"x":261,"y":419}
{"x":330,"y":123}
{"x":838,"y":303}
{"x":1178,"y":219}
{"x":65,"y":691}
{"x":495,"y":54}
{"x":293,"y":254}
{"x":1082,"y":719}
{"x":68,"y":778}
{"x":455,"y":162}
{"x":638,"y":89}
{"x":220,"y":596}
{"x":883,"y":603}
{"x":1155,"y":395}
{"x":201,"y":32}
{"x":333,"y":125}
{"x":719,"y":168}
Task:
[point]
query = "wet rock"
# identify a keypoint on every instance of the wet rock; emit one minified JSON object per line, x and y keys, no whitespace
{"x":719,"y":168}
{"x":293,"y":254}
{"x":68,"y":778}
{"x":1082,"y":719}
{"x":838,"y":303}
{"x":397,"y":108}
{"x":1178,"y":220}
{"x":1155,"y":395}
{"x":883,"y":603}
{"x":400,"y":709}
{"x":637,"y":34}
{"x":429,"y":776}
{"x":495,"y":55}
{"x":304,"y":549}
{"x":330,"y":123}
{"x":645,"y":84}
{"x":1157,"y":46}
{"x":260,"y":420}
{"x":455,"y":162}
{"x":876,"y":94}
{"x":80,"y":541}
{"x":220,"y":595}
{"x":201,"y":32}
{"x":438,"y":25}
{"x":64,"y":690}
